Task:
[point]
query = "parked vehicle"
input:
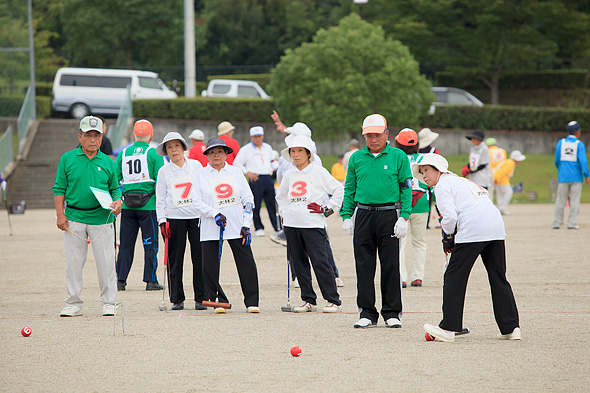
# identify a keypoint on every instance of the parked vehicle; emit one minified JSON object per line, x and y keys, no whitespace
{"x":84,"y":91}
{"x":452,"y":96}
{"x":234,"y":88}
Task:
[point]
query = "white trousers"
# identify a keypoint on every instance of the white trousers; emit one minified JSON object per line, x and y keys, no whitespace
{"x":102,"y":238}
{"x":503,"y":197}
{"x":574,"y":191}
{"x":417,"y":227}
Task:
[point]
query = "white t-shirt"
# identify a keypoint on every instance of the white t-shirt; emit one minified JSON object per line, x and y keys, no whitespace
{"x":175,"y":191}
{"x":225,"y":192}
{"x":300,"y":188}
{"x":468,"y":206}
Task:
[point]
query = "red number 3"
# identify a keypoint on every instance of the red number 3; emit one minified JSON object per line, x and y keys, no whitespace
{"x":224,"y":191}
{"x":299,"y":189}
{"x":187,"y":189}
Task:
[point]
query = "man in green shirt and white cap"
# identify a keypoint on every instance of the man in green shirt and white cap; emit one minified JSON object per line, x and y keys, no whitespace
{"x":83,"y":217}
{"x":378,"y":193}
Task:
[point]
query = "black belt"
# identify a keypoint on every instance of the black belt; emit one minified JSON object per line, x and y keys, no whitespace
{"x":394,"y":206}
{"x":85,"y":210}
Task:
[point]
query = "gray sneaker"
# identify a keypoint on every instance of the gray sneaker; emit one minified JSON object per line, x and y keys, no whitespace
{"x":71,"y":311}
{"x":364,"y":323}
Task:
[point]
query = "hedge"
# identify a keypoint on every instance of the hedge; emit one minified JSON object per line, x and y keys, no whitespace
{"x":206,"y":108}
{"x":521,"y":80}
{"x":497,"y":117}
{"x":10,"y":106}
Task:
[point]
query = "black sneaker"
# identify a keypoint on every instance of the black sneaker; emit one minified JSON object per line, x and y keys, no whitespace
{"x":199,"y":306}
{"x":178,"y":306}
{"x":153,"y":286}
{"x":121,"y":285}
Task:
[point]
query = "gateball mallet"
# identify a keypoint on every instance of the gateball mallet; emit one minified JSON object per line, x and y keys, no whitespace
{"x":7,"y":211}
{"x":288,"y":307}
{"x":208,"y":303}
{"x":162,"y":306}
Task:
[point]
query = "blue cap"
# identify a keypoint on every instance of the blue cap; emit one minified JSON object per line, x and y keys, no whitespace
{"x":573,"y":127}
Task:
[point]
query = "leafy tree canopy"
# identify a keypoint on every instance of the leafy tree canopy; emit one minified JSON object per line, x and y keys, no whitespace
{"x":346,"y":73}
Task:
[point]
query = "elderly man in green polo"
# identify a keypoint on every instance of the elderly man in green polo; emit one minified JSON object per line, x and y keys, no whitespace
{"x":82,"y":218}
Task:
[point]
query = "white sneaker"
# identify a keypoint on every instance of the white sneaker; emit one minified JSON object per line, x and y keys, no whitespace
{"x":108,"y":310}
{"x":515,"y":335}
{"x":305,"y":307}
{"x":364,"y":323}
{"x":296,"y":283}
{"x":339,"y":282}
{"x":393,"y":323}
{"x":220,"y":310}
{"x":278,"y":239}
{"x":441,"y":334}
{"x":71,"y":311}
{"x":253,"y":310}
{"x":259,"y":232}
{"x":331,"y":307}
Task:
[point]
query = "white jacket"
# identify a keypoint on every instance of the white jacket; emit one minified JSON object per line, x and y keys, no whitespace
{"x":172,"y":183}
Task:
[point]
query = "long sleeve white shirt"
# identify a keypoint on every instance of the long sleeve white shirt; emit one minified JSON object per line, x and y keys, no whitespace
{"x":300,"y":188}
{"x":463,"y":203}
{"x":175,"y":191}
{"x":480,"y":155}
{"x":254,"y":159}
{"x":226,"y":192}
{"x":285,"y":165}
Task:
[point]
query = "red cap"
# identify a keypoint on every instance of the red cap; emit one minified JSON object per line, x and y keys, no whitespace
{"x":407,"y":137}
{"x":143,"y":128}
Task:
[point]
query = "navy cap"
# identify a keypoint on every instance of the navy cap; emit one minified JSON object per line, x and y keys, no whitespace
{"x":573,"y":127}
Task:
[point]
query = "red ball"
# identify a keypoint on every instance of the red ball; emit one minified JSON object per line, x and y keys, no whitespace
{"x":428,"y":337}
{"x":296,"y":351}
{"x":26,"y":331}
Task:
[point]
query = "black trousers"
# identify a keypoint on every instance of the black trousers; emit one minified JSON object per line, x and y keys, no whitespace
{"x":131,"y":221}
{"x":245,"y":264}
{"x":264,"y":189}
{"x":373,"y":232}
{"x":493,"y":255}
{"x":312,"y":240}
{"x":179,"y":229}
{"x":329,"y":254}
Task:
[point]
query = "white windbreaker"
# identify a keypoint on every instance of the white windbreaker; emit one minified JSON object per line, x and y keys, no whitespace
{"x":175,"y":191}
{"x":300,"y":188}
{"x":463,"y":203}
{"x":225,"y":192}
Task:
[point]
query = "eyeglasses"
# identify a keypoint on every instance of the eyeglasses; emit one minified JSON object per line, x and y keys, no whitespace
{"x":88,"y":135}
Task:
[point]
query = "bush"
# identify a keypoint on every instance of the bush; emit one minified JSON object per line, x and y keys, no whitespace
{"x":10,"y":106}
{"x":496,"y":117}
{"x":43,"y":89}
{"x":206,"y":108}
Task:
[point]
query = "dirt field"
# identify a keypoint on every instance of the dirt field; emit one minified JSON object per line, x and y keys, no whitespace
{"x":200,"y":351}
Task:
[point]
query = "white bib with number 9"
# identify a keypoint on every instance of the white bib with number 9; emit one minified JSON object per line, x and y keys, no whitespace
{"x":299,"y":192}
{"x":224,"y":191}
{"x":182,"y":187}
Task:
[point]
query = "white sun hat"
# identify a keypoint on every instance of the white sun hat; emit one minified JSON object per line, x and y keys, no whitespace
{"x":432,"y":159}
{"x":298,"y":141}
{"x":516,"y":155}
{"x":161,"y":149}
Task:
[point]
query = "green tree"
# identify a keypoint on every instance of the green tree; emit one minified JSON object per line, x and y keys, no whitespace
{"x":346,"y":73}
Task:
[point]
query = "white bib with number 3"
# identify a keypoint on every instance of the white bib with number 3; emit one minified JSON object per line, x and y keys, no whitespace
{"x":224,"y":191}
{"x":299,"y":189}
{"x":182,"y":191}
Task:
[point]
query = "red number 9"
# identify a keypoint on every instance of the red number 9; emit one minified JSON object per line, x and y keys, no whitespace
{"x":224,"y":191}
{"x":299,"y":189}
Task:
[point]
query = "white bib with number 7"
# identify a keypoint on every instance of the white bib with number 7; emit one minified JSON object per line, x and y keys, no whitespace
{"x":182,"y":191}
{"x":224,"y":191}
{"x":299,"y":189}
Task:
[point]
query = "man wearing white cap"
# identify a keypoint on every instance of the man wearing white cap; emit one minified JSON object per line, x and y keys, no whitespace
{"x":257,"y":162}
{"x":225,"y":132}
{"x":196,"y":151}
{"x":502,"y":174}
{"x":79,"y":171}
{"x":378,"y":178}
{"x":137,"y":171}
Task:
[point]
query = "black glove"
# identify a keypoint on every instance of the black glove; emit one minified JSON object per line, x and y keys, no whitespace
{"x":246,"y":236}
{"x":448,"y":242}
{"x":220,"y":220}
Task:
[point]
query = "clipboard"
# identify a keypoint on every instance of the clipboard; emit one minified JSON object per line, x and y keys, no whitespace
{"x":103,"y":197}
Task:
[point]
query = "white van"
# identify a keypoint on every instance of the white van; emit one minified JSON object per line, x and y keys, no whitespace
{"x":84,"y":91}
{"x":234,"y":88}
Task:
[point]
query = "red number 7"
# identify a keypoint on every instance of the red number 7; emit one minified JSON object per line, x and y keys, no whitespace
{"x":187,"y":189}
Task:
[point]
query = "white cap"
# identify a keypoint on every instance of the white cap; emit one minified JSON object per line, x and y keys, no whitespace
{"x":256,"y":131}
{"x":161,"y":149}
{"x":197,"y":135}
{"x":516,"y":155}
{"x":374,"y":123}
{"x":298,"y":141}
{"x":91,"y":123}
{"x":299,"y":129}
{"x":432,"y":159}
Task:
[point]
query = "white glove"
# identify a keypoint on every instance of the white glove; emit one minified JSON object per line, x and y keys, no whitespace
{"x":3,"y":185}
{"x":401,"y":228}
{"x":348,"y":226}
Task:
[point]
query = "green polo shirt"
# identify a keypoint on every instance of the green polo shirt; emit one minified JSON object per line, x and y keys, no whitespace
{"x":155,"y":162}
{"x":75,"y":175}
{"x":374,"y":180}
